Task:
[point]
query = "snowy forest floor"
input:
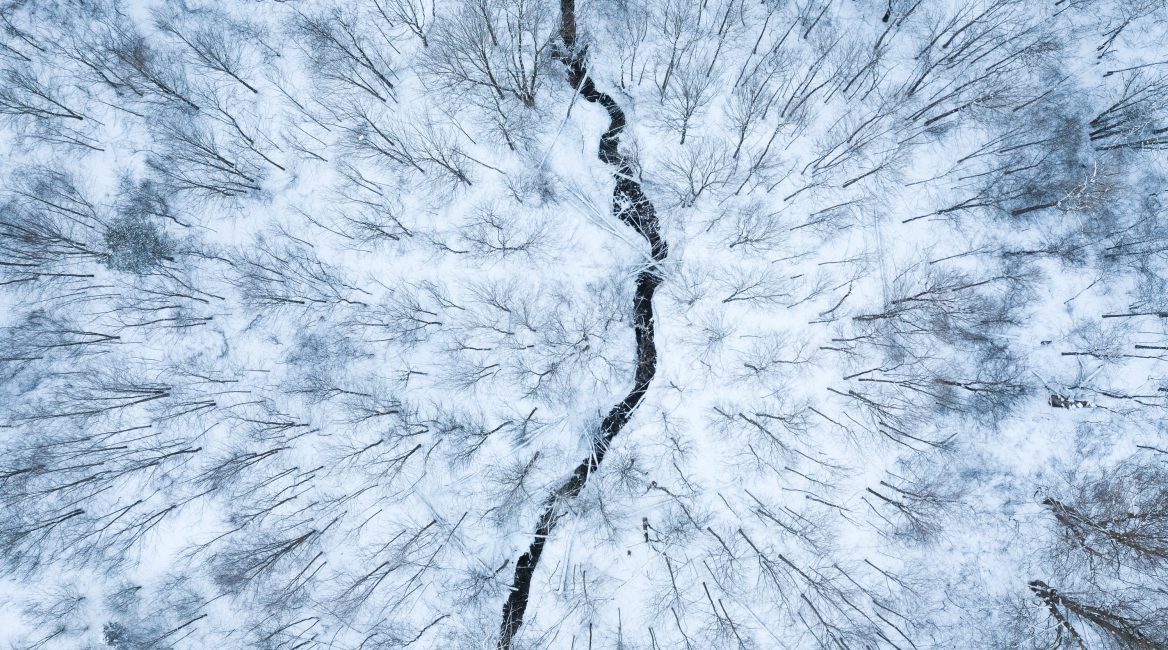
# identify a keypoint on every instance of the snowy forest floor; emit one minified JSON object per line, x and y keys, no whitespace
{"x":324,"y":325}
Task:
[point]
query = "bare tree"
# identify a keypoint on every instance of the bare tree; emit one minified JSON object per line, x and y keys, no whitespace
{"x":491,"y":232}
{"x":23,"y":93}
{"x":347,"y":52}
{"x":423,"y":145}
{"x":414,"y":14}
{"x":1117,"y":520}
{"x":491,"y":56}
{"x":214,"y":42}
{"x":122,"y":58}
{"x":1137,"y":119}
{"x":687,"y":97}
{"x":700,"y":170}
{"x":286,"y":274}
{"x":1113,"y":625}
{"x":194,"y":158}
{"x":50,"y":227}
{"x":499,"y":47}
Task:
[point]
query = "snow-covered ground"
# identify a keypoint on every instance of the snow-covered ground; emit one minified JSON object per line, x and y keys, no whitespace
{"x":309,"y":309}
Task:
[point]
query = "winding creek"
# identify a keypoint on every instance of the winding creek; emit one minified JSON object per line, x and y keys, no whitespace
{"x":634,"y":209}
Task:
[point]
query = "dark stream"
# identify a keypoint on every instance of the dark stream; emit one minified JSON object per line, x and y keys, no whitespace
{"x":634,"y":209}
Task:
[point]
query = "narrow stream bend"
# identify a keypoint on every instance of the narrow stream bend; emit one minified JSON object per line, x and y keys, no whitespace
{"x":634,"y":209}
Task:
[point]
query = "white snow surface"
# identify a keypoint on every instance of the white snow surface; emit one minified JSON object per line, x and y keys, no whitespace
{"x":298,"y":367}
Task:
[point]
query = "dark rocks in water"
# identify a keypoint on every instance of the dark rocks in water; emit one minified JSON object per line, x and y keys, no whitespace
{"x":1061,"y":402}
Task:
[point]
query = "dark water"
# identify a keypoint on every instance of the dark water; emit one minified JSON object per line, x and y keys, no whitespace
{"x":634,"y":209}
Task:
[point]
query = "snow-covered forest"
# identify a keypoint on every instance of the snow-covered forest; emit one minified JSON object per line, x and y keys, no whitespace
{"x":639,"y":324}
